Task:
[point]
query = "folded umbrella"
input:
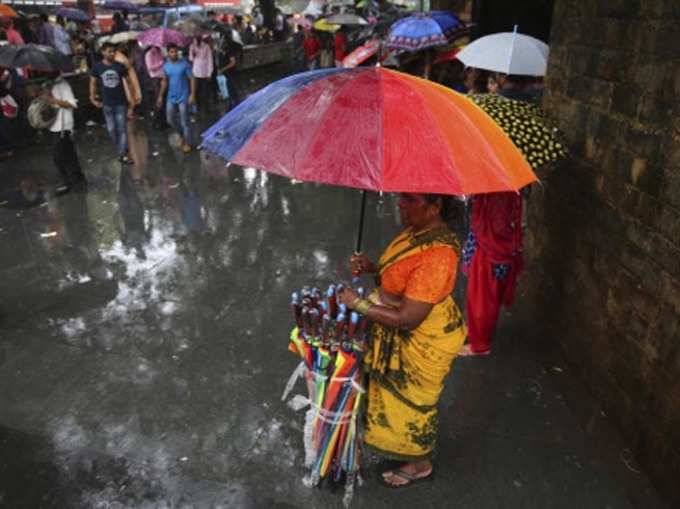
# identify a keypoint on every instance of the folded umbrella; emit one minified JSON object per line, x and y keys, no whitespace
{"x":34,"y":56}
{"x":507,"y":52}
{"x":426,"y":30}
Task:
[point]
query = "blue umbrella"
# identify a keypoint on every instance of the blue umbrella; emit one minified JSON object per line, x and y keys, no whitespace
{"x":74,"y":14}
{"x":120,"y":5}
{"x":425,"y":30}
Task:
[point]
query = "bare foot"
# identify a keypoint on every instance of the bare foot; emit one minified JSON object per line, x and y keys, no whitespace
{"x":467,"y":351}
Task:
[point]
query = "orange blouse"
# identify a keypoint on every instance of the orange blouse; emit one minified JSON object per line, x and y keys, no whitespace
{"x":428,"y":276}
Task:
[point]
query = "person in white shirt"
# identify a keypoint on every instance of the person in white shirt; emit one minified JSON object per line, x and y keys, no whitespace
{"x":65,"y":155}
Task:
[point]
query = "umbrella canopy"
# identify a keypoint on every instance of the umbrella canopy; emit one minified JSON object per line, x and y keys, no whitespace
{"x":346,"y":19}
{"x":119,"y":38}
{"x":7,"y":12}
{"x":323,"y":26}
{"x":301,"y":21}
{"x":370,"y":128}
{"x":34,"y":56}
{"x":73,"y":14}
{"x":425,"y":30}
{"x":161,"y":37}
{"x":361,"y":54}
{"x":193,"y":26}
{"x":507,"y":52}
{"x":120,"y":5}
{"x":526,"y":126}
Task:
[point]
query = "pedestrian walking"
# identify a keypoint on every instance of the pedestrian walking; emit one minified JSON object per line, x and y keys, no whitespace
{"x":312,"y":48}
{"x":492,"y":258}
{"x":201,"y":57}
{"x":109,"y":76}
{"x":13,"y":36}
{"x":340,"y":47}
{"x":153,"y":59}
{"x":45,"y":31}
{"x":180,"y":85}
{"x":65,"y":157}
{"x":62,"y":40}
{"x":133,"y":90}
{"x":227,"y":60}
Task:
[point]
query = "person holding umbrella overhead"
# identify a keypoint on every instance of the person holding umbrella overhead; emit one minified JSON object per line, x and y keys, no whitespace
{"x":418,"y":330}
{"x":110,"y":75}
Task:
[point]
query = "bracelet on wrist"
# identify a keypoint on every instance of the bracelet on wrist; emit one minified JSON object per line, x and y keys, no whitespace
{"x":362,"y":305}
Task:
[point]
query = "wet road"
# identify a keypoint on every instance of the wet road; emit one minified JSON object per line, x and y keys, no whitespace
{"x":143,"y":351}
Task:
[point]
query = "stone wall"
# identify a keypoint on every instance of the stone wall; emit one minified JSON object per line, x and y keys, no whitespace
{"x":603,"y":249}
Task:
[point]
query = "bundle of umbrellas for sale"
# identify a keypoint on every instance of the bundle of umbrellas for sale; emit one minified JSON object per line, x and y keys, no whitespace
{"x":331,"y":341}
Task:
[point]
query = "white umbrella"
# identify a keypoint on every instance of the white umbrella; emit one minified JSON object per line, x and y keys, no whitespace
{"x":507,"y":52}
{"x":346,"y":19}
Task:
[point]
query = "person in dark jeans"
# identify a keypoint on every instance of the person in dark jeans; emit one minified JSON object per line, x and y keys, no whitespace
{"x":65,"y":155}
{"x":109,"y":75}
{"x":227,"y":60}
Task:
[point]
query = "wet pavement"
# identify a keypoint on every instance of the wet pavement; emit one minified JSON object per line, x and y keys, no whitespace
{"x":143,"y":351}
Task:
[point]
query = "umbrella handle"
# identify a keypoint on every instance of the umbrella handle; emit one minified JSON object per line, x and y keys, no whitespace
{"x":362,"y":213}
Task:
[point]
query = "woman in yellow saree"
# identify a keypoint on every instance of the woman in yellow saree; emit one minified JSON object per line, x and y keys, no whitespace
{"x":417,"y":332}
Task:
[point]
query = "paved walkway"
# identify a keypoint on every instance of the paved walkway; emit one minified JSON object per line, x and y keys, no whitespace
{"x":143,"y":353}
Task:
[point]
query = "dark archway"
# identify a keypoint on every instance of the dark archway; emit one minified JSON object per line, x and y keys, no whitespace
{"x":533,"y":17}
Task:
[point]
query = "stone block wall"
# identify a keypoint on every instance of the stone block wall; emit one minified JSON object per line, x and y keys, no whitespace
{"x":603,"y":249}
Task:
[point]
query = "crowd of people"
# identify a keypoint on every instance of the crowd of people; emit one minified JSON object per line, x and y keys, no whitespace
{"x":211,"y":59}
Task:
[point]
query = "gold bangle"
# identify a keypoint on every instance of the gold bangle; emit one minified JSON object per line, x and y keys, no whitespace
{"x":362,"y":305}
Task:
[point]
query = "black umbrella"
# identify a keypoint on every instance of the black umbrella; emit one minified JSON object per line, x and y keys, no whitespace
{"x":34,"y":56}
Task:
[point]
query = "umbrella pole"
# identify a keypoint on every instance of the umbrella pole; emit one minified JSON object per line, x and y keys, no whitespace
{"x":360,"y":233}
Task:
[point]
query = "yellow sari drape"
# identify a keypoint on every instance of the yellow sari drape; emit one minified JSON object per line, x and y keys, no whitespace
{"x":407,"y":368}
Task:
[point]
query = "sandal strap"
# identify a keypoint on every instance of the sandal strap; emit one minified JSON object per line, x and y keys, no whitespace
{"x":409,"y":477}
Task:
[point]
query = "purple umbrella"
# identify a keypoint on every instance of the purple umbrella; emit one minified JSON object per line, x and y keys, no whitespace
{"x":120,"y":5}
{"x":161,"y":37}
{"x":74,"y":14}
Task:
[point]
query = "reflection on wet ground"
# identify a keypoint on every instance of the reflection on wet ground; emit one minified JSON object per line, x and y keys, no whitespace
{"x":143,"y":350}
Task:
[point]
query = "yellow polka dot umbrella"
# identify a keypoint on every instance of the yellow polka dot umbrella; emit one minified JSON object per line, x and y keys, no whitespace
{"x":526,"y":126}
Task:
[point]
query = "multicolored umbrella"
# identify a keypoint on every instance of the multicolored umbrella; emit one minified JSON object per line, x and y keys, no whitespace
{"x":73,"y":14}
{"x":526,"y":126}
{"x":34,"y":56}
{"x":426,"y":30}
{"x":161,"y":37}
{"x":374,"y":129}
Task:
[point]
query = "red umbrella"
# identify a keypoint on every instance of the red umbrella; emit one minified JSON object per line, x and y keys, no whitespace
{"x":361,"y":54}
